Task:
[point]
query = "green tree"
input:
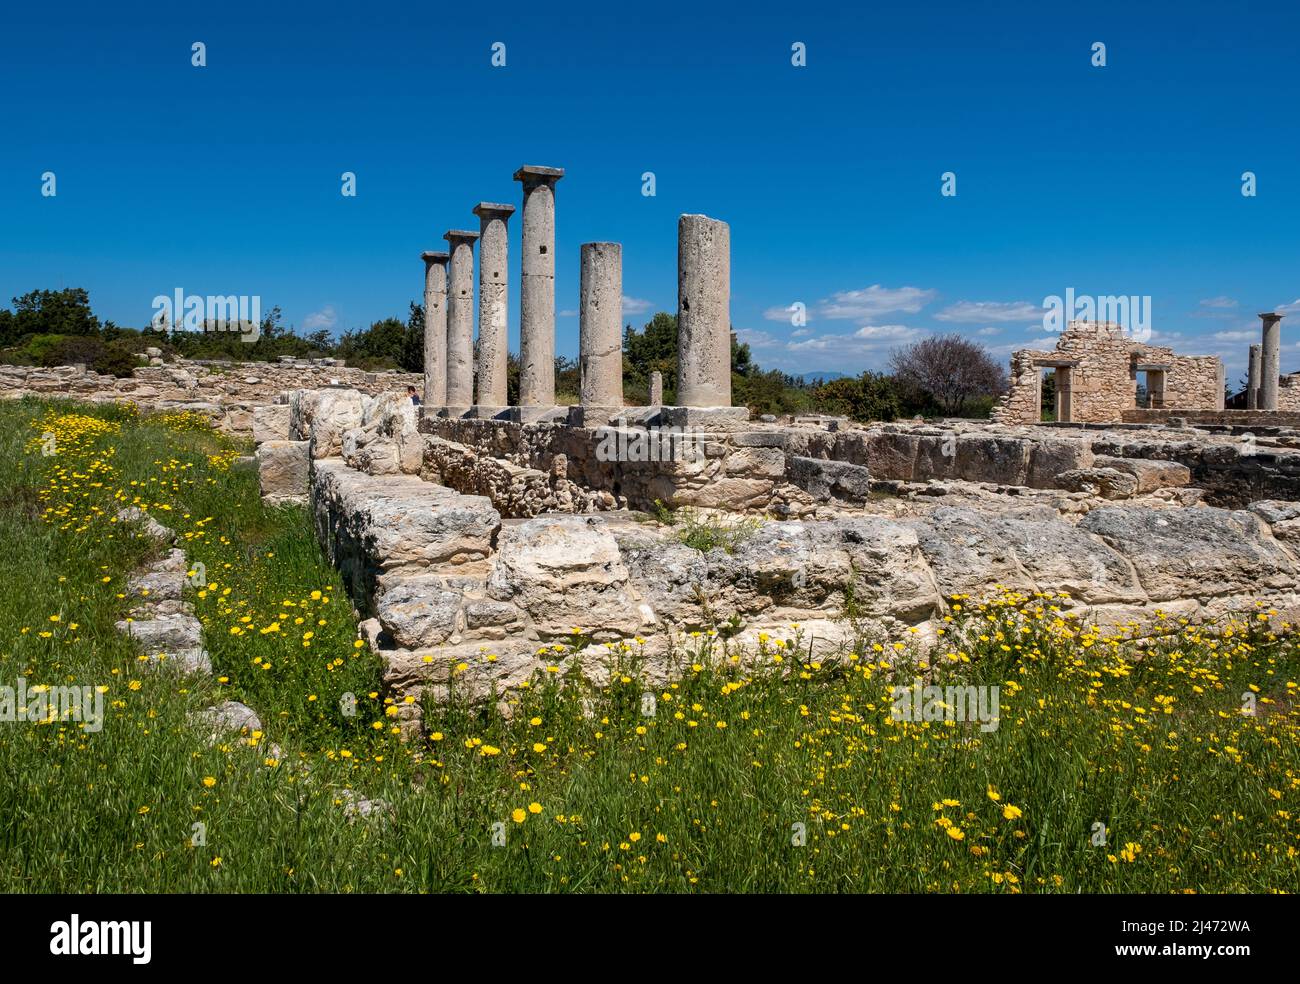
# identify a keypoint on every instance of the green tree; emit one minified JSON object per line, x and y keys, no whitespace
{"x":412,"y":357}
{"x":871,"y":396}
{"x":51,"y":312}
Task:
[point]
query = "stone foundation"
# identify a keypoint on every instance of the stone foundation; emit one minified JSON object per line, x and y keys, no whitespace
{"x":458,"y":597}
{"x":227,"y":393}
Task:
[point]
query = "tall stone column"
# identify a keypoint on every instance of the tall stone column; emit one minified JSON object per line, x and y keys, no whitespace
{"x":493,"y":338}
{"x":537,"y":288}
{"x":600,"y":333}
{"x":435,"y":330}
{"x":1252,"y":379}
{"x":460,"y":322}
{"x":703,"y":312}
{"x":1270,"y":363}
{"x":656,"y":388}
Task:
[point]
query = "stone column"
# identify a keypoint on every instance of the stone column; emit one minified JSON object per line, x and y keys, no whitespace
{"x":493,"y":340}
{"x":460,"y":322}
{"x":435,"y":331}
{"x":656,"y":389}
{"x":600,"y":334}
{"x":537,"y":289}
{"x":703,"y":312}
{"x":1252,"y":379}
{"x":1270,"y":362}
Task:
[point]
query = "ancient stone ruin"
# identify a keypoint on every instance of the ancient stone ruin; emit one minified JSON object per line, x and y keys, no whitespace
{"x":473,"y":534}
{"x":1096,"y":368}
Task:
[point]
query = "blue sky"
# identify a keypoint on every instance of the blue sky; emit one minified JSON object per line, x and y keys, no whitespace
{"x":226,"y":179}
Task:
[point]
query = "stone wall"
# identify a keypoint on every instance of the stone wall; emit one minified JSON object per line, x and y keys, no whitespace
{"x":456,"y":596}
{"x":1100,"y":360}
{"x":226,"y":393}
{"x":783,"y":470}
{"x":1288,"y":394}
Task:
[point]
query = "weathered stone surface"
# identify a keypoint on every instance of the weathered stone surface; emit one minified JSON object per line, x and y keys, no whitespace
{"x":971,"y":552}
{"x":1149,"y":475}
{"x":813,"y":561}
{"x":149,"y":526}
{"x":170,"y":639}
{"x":703,"y":312}
{"x":271,"y":422}
{"x":225,"y":718}
{"x":892,"y":455}
{"x":1109,"y":483}
{"x":1049,"y":458}
{"x":823,"y":479}
{"x":156,"y":586}
{"x":167,"y":633}
{"x":565,"y":573}
{"x":282,"y":469}
{"x":991,"y":458}
{"x":323,"y":416}
{"x":378,"y":525}
{"x":1180,"y":553}
{"x":419,"y":612}
{"x":537,"y":286}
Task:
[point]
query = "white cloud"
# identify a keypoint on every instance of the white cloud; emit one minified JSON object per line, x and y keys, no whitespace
{"x":1239,"y":335}
{"x":801,"y":332}
{"x":568,"y":313}
{"x":1218,"y":302}
{"x":972,"y":311}
{"x":637,"y":305}
{"x":782,"y":314}
{"x":756,"y":339}
{"x":870,"y":302}
{"x":868,"y":338}
{"x":1292,"y":308}
{"x":326,"y":317}
{"x":989,"y":331}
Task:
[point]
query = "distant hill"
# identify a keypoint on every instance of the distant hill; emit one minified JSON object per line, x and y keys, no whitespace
{"x":821,"y":377}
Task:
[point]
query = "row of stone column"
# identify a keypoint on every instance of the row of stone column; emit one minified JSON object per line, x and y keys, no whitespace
{"x":1265,"y":367}
{"x":704,"y":326}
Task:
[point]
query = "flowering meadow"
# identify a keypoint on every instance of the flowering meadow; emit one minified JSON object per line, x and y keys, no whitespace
{"x":1167,"y":764}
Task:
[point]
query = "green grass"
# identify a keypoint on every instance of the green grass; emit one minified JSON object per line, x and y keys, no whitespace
{"x":626,"y":800}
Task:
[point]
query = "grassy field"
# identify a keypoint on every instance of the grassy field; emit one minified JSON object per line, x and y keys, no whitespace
{"x":783,"y":775}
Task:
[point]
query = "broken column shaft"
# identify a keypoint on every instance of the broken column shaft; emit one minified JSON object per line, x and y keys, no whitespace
{"x":703,"y":312}
{"x":537,"y":287}
{"x":1270,"y":363}
{"x":1252,"y":379}
{"x":600,"y":327}
{"x":493,"y":340}
{"x":435,"y":328}
{"x":460,"y":321}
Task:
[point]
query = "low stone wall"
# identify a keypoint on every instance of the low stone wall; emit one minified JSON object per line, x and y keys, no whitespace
{"x":226,"y":393}
{"x":783,"y":470}
{"x":1234,"y":471}
{"x":1226,"y":418}
{"x":456,"y":597}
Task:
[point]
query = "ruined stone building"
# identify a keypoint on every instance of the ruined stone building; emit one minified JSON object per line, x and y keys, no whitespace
{"x":1097,"y":367}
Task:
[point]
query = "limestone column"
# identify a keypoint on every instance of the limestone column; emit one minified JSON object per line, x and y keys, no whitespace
{"x":1252,"y":379}
{"x":1270,"y":362}
{"x":656,"y":389}
{"x":703,"y":312}
{"x":460,"y":322}
{"x":600,"y":325}
{"x":537,"y":287}
{"x":435,"y":330}
{"x":493,"y":340}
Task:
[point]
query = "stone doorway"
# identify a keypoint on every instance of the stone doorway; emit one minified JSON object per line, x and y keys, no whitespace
{"x":1054,"y":398}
